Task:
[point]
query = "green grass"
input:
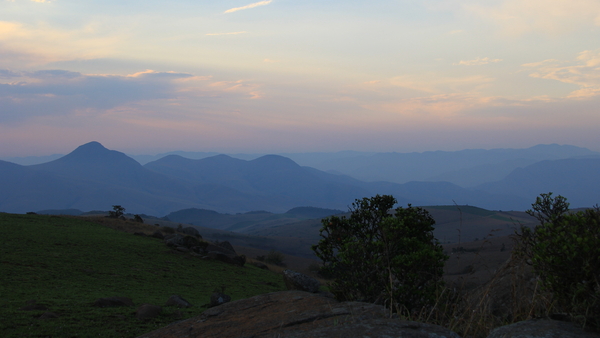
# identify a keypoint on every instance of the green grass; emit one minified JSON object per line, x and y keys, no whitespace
{"x":67,"y":263}
{"x":502,"y":218}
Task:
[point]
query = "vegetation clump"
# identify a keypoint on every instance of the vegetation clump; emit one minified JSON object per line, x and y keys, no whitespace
{"x":564,"y":250}
{"x":273,"y":257}
{"x":383,"y":257}
{"x":116,"y":212}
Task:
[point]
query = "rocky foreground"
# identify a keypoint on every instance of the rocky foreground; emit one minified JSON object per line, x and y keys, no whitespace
{"x":304,"y":314}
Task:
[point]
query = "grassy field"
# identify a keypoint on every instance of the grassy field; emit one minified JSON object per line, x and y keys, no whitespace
{"x":67,"y":263}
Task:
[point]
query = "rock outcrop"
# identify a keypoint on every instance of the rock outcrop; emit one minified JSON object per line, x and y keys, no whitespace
{"x":541,"y":328}
{"x":297,"y":314}
{"x":147,"y":311}
{"x":219,"y":298}
{"x":191,"y":231}
{"x":178,"y":301}
{"x":297,"y":281}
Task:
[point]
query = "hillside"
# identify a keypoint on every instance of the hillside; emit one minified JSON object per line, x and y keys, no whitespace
{"x":65,"y":264}
{"x":293,"y":236}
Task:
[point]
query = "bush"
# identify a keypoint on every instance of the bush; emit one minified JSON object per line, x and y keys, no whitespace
{"x":117,"y":212}
{"x":377,"y":256}
{"x":275,"y":258}
{"x":564,"y":250}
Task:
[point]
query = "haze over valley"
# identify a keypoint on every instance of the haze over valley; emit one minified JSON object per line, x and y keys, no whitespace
{"x":94,"y":178}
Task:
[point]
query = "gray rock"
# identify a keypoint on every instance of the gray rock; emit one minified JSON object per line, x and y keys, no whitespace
{"x":260,"y":265}
{"x":148,"y":311}
{"x":541,"y":328}
{"x":178,"y":301}
{"x":174,"y":240}
{"x":191,"y":231}
{"x":297,"y":281}
{"x":298,"y":314}
{"x":226,"y":245}
{"x":218,"y":298}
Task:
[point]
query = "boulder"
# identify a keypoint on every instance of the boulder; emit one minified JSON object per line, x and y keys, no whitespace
{"x":113,"y":302}
{"x":191,"y":231}
{"x":158,"y":234}
{"x":541,"y":328}
{"x":178,"y":301}
{"x":260,"y":265}
{"x":227,"y":246}
{"x":219,"y":298}
{"x":297,"y":314}
{"x":174,"y":240}
{"x":297,"y":281}
{"x":148,"y":311}
{"x":221,"y":248}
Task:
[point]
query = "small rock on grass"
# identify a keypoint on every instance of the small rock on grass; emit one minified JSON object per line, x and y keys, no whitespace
{"x":148,"y":311}
{"x":178,"y":301}
{"x":218,"y":298}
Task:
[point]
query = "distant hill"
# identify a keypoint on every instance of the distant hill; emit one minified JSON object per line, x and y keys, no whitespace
{"x":312,"y":212}
{"x":576,"y":179}
{"x":240,"y":222}
{"x":95,"y":178}
{"x":466,"y":168}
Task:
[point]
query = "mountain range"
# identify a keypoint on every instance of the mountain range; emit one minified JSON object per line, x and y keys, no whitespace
{"x":95,"y":178}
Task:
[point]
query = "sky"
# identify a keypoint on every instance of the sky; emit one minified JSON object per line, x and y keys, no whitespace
{"x":239,"y":76}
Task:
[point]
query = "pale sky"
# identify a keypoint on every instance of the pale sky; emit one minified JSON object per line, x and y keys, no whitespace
{"x":145,"y":77}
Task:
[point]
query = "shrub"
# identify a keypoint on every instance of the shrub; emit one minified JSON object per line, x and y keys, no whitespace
{"x":564,"y":250}
{"x":275,"y":258}
{"x":117,"y":212}
{"x":377,"y":256}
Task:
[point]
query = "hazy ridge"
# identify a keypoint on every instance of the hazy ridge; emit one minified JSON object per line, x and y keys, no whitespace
{"x":95,"y":178}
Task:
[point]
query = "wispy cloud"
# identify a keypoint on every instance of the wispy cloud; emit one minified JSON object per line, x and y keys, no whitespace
{"x":584,"y":72}
{"x":557,"y":17}
{"x":30,"y":94}
{"x":229,"y":33}
{"x":477,"y":62}
{"x":256,"y":4}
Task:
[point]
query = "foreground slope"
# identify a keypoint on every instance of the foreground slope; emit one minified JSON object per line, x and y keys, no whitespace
{"x":65,"y":264}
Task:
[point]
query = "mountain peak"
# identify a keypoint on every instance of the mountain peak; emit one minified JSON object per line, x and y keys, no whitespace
{"x":92,"y":153}
{"x":275,"y":160}
{"x":90,"y":148}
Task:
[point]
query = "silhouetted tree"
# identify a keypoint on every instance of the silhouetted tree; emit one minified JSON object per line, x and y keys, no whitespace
{"x":117,"y":211}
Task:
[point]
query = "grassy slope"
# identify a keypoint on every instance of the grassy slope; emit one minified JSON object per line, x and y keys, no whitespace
{"x":68,"y":263}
